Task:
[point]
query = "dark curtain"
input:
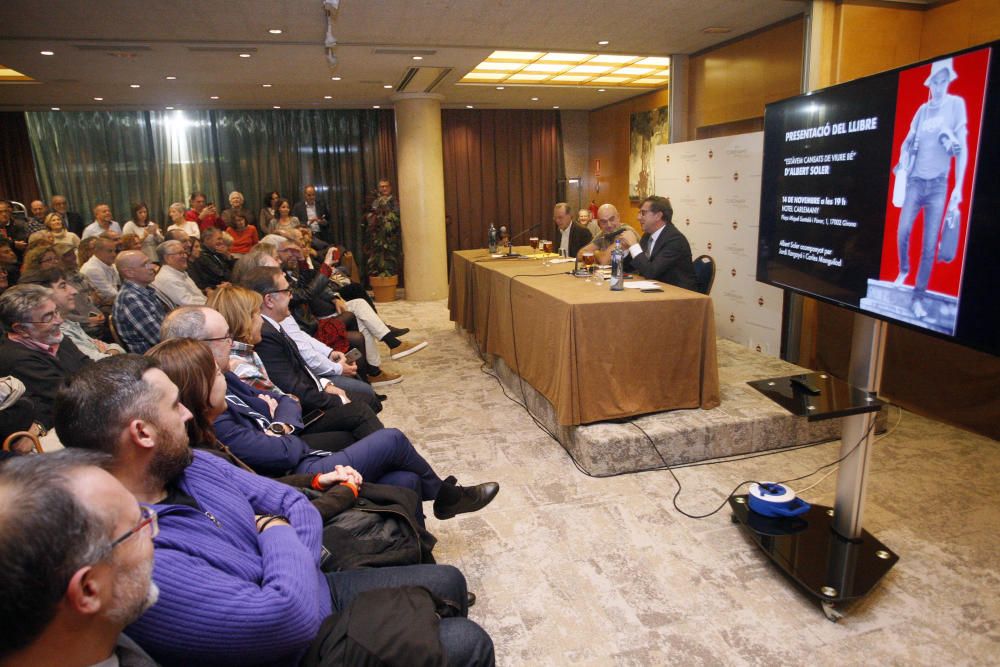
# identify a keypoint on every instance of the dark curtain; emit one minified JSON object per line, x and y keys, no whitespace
{"x":501,"y":167}
{"x":17,"y":168}
{"x":161,"y":157}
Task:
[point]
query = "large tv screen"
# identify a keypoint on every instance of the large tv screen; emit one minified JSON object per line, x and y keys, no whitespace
{"x":882,"y":195}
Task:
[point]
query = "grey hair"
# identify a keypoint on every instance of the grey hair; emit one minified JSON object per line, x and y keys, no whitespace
{"x":178,"y":205}
{"x":236,"y":192}
{"x":17,"y":303}
{"x":166,"y":247}
{"x":184,"y":322}
{"x":209,"y":233}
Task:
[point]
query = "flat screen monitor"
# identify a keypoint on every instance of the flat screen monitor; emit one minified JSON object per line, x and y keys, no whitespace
{"x":882,"y":195}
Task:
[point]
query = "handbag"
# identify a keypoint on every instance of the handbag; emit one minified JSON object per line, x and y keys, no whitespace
{"x":948,"y":244}
{"x":901,"y":172}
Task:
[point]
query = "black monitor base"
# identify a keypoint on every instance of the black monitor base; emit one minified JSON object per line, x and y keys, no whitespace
{"x":825,"y":565}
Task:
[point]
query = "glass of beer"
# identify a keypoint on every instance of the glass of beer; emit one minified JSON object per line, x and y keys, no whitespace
{"x":547,"y":245}
{"x":533,"y":242}
{"x":588,"y":261}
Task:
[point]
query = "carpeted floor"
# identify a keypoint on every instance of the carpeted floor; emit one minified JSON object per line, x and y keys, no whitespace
{"x":573,"y":570}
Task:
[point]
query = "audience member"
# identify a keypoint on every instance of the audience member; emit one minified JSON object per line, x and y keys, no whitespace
{"x":8,"y":259}
{"x":176,"y":213}
{"x":138,"y":311}
{"x":72,"y":221}
{"x":663,"y":253}
{"x":102,"y":223}
{"x":64,"y":294}
{"x":128,"y":242}
{"x":172,"y":281}
{"x":245,"y":585}
{"x":313,"y":212}
{"x":244,"y":235}
{"x":265,"y":219}
{"x":586,"y":219}
{"x":18,"y":429}
{"x":283,"y":218}
{"x":40,"y":257}
{"x":568,"y":236}
{"x":212,"y":268}
{"x":203,"y":214}
{"x":13,"y":229}
{"x":147,"y":231}
{"x":77,"y":555}
{"x":34,"y":349}
{"x":240,"y":307}
{"x":100,"y":270}
{"x":41,"y":237}
{"x":36,"y":221}
{"x":237,"y":206}
{"x":55,"y":224}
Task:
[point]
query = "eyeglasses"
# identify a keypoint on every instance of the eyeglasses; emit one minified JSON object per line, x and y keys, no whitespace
{"x":228,"y":336}
{"x":50,"y":317}
{"x":645,"y":211}
{"x":147,"y":518}
{"x":278,"y":291}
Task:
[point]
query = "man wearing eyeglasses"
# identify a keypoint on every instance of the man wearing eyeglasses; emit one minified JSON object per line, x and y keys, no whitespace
{"x":237,"y":558}
{"x":173,"y":281}
{"x":611,"y":227}
{"x":87,"y":584}
{"x":663,"y":253}
{"x":139,"y":310}
{"x":34,"y":350}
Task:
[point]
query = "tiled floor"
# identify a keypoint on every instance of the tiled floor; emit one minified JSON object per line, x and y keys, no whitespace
{"x":573,"y":570}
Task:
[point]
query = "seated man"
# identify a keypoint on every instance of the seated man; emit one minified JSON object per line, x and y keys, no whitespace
{"x":585,"y":219}
{"x":34,"y":349}
{"x":611,"y":228}
{"x":172,"y":281}
{"x":102,"y":223}
{"x":64,"y":294}
{"x":663,"y":253}
{"x":69,"y":593}
{"x":202,"y":213}
{"x":237,"y":557}
{"x":569,"y":236}
{"x":100,"y":270}
{"x":139,"y":310}
{"x":312,"y":212}
{"x":212,"y":267}
{"x":289,"y":371}
{"x":72,"y":221}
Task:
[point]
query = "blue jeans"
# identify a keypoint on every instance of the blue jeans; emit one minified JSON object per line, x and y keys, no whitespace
{"x":465,"y":643}
{"x":355,"y":385}
{"x":929,"y":195}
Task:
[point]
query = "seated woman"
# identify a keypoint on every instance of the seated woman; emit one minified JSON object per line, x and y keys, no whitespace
{"x":40,"y":257}
{"x":252,"y":428}
{"x":54,"y":223}
{"x":283,"y":218}
{"x":244,"y":236}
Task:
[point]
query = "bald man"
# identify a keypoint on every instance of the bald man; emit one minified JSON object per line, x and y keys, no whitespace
{"x":611,"y":226}
{"x":102,"y":223}
{"x":36,"y":222}
{"x":139,"y":310}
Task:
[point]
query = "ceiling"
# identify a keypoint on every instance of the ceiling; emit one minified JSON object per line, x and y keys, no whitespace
{"x":102,"y":47}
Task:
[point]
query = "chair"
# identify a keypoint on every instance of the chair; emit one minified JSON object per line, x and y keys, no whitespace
{"x":114,"y":333}
{"x":704,"y":273}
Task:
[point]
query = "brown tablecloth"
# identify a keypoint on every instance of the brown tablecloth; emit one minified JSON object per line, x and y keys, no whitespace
{"x":593,"y":353}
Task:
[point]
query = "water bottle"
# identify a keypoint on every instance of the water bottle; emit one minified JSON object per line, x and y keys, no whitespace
{"x":617,"y":267}
{"x":493,"y":239}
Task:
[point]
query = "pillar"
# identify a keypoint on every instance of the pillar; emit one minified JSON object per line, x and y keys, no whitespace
{"x":420,"y":168}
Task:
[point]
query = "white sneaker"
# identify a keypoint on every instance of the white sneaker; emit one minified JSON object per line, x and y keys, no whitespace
{"x":406,"y":349}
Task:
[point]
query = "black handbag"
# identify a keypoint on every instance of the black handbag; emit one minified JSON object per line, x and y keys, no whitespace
{"x":948,"y":245}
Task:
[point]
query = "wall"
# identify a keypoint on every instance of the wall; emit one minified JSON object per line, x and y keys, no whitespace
{"x":609,"y":143}
{"x":576,"y":149}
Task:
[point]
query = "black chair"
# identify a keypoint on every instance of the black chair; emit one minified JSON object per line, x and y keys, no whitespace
{"x":704,"y":273}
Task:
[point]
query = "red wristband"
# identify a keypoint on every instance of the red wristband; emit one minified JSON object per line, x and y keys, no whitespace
{"x":352,"y":487}
{"x":315,"y":483}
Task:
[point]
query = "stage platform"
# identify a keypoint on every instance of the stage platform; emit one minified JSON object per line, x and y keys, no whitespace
{"x":746,"y":421}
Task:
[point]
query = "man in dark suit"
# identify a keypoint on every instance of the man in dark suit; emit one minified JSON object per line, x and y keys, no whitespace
{"x":569,"y":234}
{"x":72,"y":221}
{"x":314,"y":213}
{"x":663,"y":253}
{"x":34,"y":350}
{"x":343,"y":411}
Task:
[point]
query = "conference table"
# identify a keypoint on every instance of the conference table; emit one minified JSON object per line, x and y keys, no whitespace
{"x":594,"y":354}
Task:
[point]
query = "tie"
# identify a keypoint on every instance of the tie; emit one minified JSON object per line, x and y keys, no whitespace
{"x":644,"y":244}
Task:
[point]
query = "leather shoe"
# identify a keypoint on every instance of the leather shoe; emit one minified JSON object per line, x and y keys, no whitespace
{"x":470,"y":598}
{"x":473,"y":499}
{"x":397,"y":332}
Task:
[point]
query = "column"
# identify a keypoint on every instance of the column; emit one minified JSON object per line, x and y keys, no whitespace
{"x":420,"y":170}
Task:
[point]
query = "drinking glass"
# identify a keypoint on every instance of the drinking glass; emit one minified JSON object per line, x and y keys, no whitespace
{"x":533,"y":242}
{"x":588,"y":261}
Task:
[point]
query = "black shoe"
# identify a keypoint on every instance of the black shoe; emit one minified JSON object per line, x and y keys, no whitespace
{"x":382,"y":397}
{"x":397,"y":332}
{"x":470,"y":599}
{"x":471,"y":499}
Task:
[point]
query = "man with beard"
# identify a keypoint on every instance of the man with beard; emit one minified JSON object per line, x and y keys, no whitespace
{"x":34,"y":350}
{"x":77,"y":555}
{"x":237,"y":558}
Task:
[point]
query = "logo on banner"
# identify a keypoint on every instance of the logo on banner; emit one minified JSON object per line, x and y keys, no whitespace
{"x":711,"y":154}
{"x":736,"y":175}
{"x":732,"y":318}
{"x":760,"y":301}
{"x":687,"y":221}
{"x":709,"y":245}
{"x":668,"y":157}
{"x":735,"y":224}
{"x":733,"y":272}
{"x":687,"y":178}
{"x":710,"y":200}
{"x":757,"y":348}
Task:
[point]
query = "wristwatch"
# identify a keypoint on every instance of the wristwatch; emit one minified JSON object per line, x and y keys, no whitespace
{"x":279,"y":428}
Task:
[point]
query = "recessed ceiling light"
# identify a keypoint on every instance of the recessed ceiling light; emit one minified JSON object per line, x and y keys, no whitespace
{"x":534,"y":99}
{"x":265,"y":85}
{"x":376,"y":106}
{"x":98,"y":99}
{"x":244,"y":55}
{"x":716,"y":30}
{"x":334,"y":78}
{"x":47,"y":53}
{"x":555,"y":107}
{"x":418,"y":57}
{"x":170,"y":108}
{"x":603,"y":42}
{"x":499,"y":87}
{"x":171,"y":78}
{"x":601,"y":90}
{"x":328,"y":97}
{"x":387,"y":85}
{"x":274,"y":31}
{"x":469,"y":106}
{"x":214,"y":97}
{"x":134,"y":85}
{"x":275,"y":107}
{"x":55,"y":108}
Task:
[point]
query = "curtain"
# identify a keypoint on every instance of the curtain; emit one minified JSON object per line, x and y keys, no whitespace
{"x":160,"y":157}
{"x":17,"y":170}
{"x":501,"y":167}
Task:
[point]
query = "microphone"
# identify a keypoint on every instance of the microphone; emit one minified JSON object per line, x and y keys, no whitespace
{"x":510,"y":241}
{"x":526,"y":231}
{"x":611,"y":237}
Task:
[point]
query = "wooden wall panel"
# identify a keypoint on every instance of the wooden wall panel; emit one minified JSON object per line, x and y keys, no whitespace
{"x":873,"y":39}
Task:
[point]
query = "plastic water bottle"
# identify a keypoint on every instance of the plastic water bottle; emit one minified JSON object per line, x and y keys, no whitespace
{"x":493,"y":239}
{"x":617,"y":267}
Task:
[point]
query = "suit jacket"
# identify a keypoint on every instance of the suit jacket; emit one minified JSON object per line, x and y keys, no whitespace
{"x":210,"y":269}
{"x":578,"y":237}
{"x":74,"y":223}
{"x":669,"y":261}
{"x":41,"y":373}
{"x":322,"y":212}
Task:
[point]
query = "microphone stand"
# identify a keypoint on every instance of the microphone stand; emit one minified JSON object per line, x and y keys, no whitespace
{"x":510,"y":241}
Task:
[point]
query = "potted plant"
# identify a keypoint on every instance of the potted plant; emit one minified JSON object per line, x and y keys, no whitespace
{"x":383,"y":249}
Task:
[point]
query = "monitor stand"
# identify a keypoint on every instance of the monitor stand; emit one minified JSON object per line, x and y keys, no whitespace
{"x":826,"y":551}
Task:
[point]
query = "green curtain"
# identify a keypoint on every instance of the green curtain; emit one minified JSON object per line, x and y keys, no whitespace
{"x":160,"y":157}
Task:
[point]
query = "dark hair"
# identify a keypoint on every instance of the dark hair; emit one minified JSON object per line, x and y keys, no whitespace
{"x":97,"y":403}
{"x":277,"y":207}
{"x":269,"y":196}
{"x":190,"y":365}
{"x":135,"y":210}
{"x":261,"y":279}
{"x":662,"y":205}
{"x":46,"y":277}
{"x":195,"y":195}
{"x":46,"y":535}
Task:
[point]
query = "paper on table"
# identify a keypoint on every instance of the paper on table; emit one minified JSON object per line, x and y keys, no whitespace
{"x":561,"y":260}
{"x":641,"y":284}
